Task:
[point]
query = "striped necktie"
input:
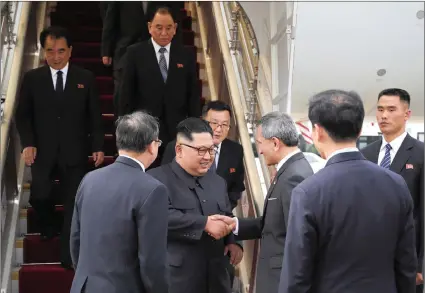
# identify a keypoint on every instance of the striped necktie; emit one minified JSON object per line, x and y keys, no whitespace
{"x":163,"y":64}
{"x":386,"y":161}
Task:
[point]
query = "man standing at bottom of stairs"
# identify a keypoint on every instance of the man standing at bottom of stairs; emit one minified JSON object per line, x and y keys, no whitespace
{"x":58,"y":110}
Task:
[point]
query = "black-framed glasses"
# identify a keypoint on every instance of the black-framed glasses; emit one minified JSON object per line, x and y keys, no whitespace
{"x":202,"y":151}
{"x":215,"y":125}
{"x":159,"y":142}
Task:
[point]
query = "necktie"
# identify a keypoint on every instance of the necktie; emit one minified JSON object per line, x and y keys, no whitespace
{"x":386,"y":161}
{"x":163,"y":64}
{"x":59,"y":83}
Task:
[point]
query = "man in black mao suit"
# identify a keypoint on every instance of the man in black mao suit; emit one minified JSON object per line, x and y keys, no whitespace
{"x":277,"y":139}
{"x":160,"y":78}
{"x":126,"y":23}
{"x":228,"y":161}
{"x":197,"y":245}
{"x":406,"y":157}
{"x":350,"y":225}
{"x":58,"y":114}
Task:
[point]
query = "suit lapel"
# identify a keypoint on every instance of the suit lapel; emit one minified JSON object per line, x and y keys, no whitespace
{"x":375,"y":152}
{"x":49,"y":81}
{"x":172,"y":66}
{"x":403,"y":154}
{"x":222,"y":159}
{"x":282,"y":169}
{"x":70,"y":81}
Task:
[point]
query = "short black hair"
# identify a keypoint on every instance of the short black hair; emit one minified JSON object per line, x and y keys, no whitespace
{"x":216,"y":106}
{"x":402,"y":94}
{"x":339,"y":112}
{"x":164,"y":10}
{"x":193,"y":125}
{"x":55,"y":32}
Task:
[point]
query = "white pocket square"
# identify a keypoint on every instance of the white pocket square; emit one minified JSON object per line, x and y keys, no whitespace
{"x":272,"y":198}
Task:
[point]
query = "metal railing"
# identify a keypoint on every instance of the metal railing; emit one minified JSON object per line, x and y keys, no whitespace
{"x":20,"y":26}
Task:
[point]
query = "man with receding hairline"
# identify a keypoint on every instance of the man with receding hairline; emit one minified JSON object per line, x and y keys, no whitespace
{"x":159,"y":76}
{"x":197,"y":245}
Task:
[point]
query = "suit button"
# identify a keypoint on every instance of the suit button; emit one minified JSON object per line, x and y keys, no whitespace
{"x":204,"y":200}
{"x":59,"y":117}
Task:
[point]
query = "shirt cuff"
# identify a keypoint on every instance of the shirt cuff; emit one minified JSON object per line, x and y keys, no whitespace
{"x":236,"y":227}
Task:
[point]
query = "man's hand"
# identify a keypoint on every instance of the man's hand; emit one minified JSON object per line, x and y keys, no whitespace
{"x":218,"y":229}
{"x":98,"y":158}
{"x":106,"y":60}
{"x":228,"y":220}
{"x":419,"y":279}
{"x":30,"y":153}
{"x":236,"y":253}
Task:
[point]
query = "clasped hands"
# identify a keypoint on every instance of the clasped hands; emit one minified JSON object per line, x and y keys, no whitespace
{"x":218,"y":226}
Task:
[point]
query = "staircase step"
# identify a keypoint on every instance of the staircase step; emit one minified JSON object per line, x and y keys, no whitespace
{"x":45,"y":278}
{"x":95,"y":65}
{"x":86,"y":34}
{"x":39,"y":251}
{"x":33,"y":226}
{"x":105,"y":85}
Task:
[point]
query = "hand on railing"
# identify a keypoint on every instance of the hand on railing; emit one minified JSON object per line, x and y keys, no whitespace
{"x":29,"y":153}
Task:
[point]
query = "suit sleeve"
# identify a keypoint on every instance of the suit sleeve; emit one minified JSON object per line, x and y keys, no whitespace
{"x":249,"y":228}
{"x":97,"y":133}
{"x":152,"y":239}
{"x":128,"y":85}
{"x":193,"y":98}
{"x":25,"y":114}
{"x":169,"y":153}
{"x":109,"y":31}
{"x":286,"y":193}
{"x":405,"y":257}
{"x":183,"y":225}
{"x":301,"y":246}
{"x":75,"y":228}
{"x":421,"y":217}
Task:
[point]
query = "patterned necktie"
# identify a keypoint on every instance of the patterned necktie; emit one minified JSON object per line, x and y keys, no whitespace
{"x":163,"y":64}
{"x":59,"y":83}
{"x":386,"y":161}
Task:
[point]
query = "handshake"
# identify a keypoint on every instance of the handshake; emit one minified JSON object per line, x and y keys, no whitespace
{"x":218,"y":226}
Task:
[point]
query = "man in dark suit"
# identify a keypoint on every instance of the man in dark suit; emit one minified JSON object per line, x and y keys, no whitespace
{"x":120,"y":222}
{"x":126,"y":23}
{"x":160,"y":77}
{"x":58,"y":114}
{"x":197,"y":245}
{"x":228,"y":161}
{"x":277,"y":140}
{"x":400,"y":153}
{"x":350,"y":226}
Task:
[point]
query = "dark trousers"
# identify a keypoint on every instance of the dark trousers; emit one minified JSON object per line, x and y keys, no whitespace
{"x":420,"y":289}
{"x":43,"y":201}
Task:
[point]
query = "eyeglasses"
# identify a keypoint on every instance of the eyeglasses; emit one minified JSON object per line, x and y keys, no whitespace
{"x":202,"y":151}
{"x":159,"y":142}
{"x":215,"y":125}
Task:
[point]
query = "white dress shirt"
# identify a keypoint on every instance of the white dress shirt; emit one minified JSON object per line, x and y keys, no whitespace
{"x":344,"y":150}
{"x":395,"y":146}
{"x":54,"y":73}
{"x":166,"y":53}
{"x":137,"y":161}
{"x":217,"y":155}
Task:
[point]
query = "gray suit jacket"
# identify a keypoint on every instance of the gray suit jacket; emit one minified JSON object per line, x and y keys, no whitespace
{"x":197,"y":261}
{"x":271,"y":227}
{"x":350,"y":230}
{"x":119,"y":231}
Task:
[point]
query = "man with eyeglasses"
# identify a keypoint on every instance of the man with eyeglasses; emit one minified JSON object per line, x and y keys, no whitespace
{"x":228,"y":162}
{"x":197,"y":245}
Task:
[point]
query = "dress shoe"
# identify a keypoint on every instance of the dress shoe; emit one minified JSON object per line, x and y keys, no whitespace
{"x":67,"y":265}
{"x":48,"y":234}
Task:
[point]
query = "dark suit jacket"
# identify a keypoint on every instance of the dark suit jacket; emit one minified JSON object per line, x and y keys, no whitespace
{"x":271,"y":227}
{"x":59,"y":126}
{"x":230,"y":167}
{"x":411,"y":152}
{"x":143,"y":87}
{"x":350,"y":230}
{"x":119,"y":231}
{"x":126,"y":23}
{"x":197,"y":261}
